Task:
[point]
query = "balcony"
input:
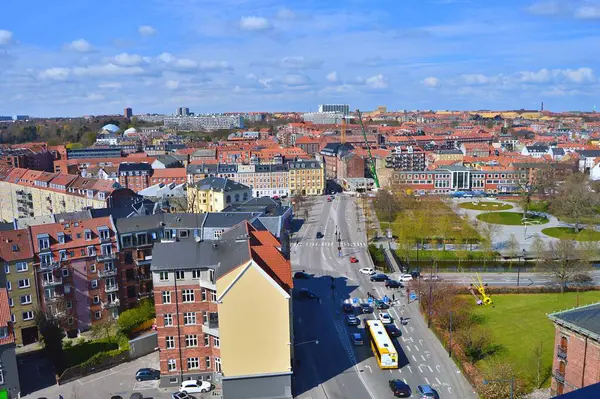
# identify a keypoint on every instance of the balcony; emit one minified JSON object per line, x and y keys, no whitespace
{"x":107,"y":273}
{"x":54,"y":298}
{"x":211,"y":329}
{"x":143,"y":260}
{"x":142,"y":295}
{"x":559,"y":376}
{"x":48,"y":266}
{"x":204,"y":283}
{"x":52,"y":283}
{"x":106,"y":257}
{"x":111,"y":288}
{"x":104,"y":240}
{"x":144,"y":277}
{"x":111,"y":304}
{"x":561,"y":352}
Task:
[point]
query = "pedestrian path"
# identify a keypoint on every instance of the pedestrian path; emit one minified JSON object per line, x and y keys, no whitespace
{"x":331,"y":244}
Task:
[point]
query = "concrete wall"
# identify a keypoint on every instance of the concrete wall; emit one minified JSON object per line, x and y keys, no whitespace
{"x":10,"y":371}
{"x":143,"y":345}
{"x":272,"y":387}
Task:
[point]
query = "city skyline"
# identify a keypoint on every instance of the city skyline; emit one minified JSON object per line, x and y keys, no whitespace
{"x":268,"y":56}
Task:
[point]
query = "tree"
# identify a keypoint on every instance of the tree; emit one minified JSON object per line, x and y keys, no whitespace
{"x":575,"y":199}
{"x":562,"y":261}
{"x":106,"y":329}
{"x":501,"y":380}
{"x":477,"y":343}
{"x":387,"y":205}
{"x":132,"y":318}
{"x":488,"y":231}
{"x":538,"y":248}
{"x":52,"y":335}
{"x":512,"y":247}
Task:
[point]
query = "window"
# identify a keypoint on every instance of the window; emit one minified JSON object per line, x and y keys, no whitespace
{"x":163,"y":276}
{"x":187,"y":295}
{"x":189,"y":318}
{"x":170,"y":342}
{"x":216,"y":342}
{"x":24,"y":283}
{"x":65,"y":272}
{"x":183,"y":233}
{"x":193,"y":363}
{"x":191,"y":341}
{"x":218,"y":234}
{"x":166,"y":296}
{"x":206,"y":340}
{"x":172,"y":365}
{"x":13,"y":318}
{"x":96,"y":299}
{"x":179,"y":274}
{"x":10,"y":302}
{"x":207,"y":361}
{"x":6,"y":268}
{"x":25,"y":299}
{"x":211,"y":275}
{"x":203,"y":295}
{"x":213,"y":296}
{"x":168,"y":320}
{"x":21,"y":267}
{"x":62,"y":255}
{"x":28,"y":315}
{"x":94,"y":283}
{"x":71,"y":321}
{"x":205,"y":317}
{"x":196,"y":274}
{"x":93,"y":268}
{"x":69,"y":305}
{"x":91,"y":250}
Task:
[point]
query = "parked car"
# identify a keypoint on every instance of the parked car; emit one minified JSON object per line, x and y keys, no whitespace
{"x":352,"y":320}
{"x":432,"y":278}
{"x":400,"y":389}
{"x":195,"y":386}
{"x":392,"y":330}
{"x":415,"y":274}
{"x":329,"y":199}
{"x":357,"y":339}
{"x":112,"y":397}
{"x":367,"y":270}
{"x":381,"y":305}
{"x":307,"y":294}
{"x":379,"y":277}
{"x":180,"y":395}
{"x":353,"y":259}
{"x":136,"y":395}
{"x":347,"y":307}
{"x":393,"y":284}
{"x":405,"y":278}
{"x":385,"y":317}
{"x":146,"y":374}
{"x":366,"y":308}
{"x":319,"y":234}
{"x":427,"y":392}
{"x":302,"y":275}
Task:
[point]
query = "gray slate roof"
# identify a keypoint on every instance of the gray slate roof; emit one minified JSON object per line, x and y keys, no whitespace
{"x":220,"y":184}
{"x":585,"y":320}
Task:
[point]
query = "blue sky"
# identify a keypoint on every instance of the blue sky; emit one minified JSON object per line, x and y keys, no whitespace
{"x":74,"y":57}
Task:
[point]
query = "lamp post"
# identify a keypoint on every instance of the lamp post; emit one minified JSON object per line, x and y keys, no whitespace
{"x":312,"y":341}
{"x":512,"y":385}
{"x":450,"y":338}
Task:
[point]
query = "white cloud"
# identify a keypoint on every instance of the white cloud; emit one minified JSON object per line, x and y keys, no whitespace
{"x":128,"y":59}
{"x":55,"y":74}
{"x":295,"y":79}
{"x":540,"y":77}
{"x":431,"y":81}
{"x":588,"y":12}
{"x":299,"y":63}
{"x":147,"y":30}
{"x":172,"y":84}
{"x":5,"y":37}
{"x":581,"y":75}
{"x":286,"y":13}
{"x":176,"y":63}
{"x":109,"y":69}
{"x":214,"y":66}
{"x":110,"y":85}
{"x":551,"y":7}
{"x":254,"y":23}
{"x":477,"y":79}
{"x":332,"y":77}
{"x":79,"y":45}
{"x":377,"y":82}
{"x":166,"y":57}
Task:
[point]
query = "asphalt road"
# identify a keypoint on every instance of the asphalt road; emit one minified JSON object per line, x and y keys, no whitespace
{"x":334,"y":368}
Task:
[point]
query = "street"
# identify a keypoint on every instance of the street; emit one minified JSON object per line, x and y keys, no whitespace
{"x":333,"y":367}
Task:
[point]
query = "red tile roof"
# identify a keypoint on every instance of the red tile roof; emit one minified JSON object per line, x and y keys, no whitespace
{"x":5,"y":317}
{"x":15,"y":245}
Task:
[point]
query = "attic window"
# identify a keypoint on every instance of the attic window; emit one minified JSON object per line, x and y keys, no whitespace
{"x":15,"y":248}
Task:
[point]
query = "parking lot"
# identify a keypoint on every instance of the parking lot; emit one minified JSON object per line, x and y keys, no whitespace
{"x":118,"y":380}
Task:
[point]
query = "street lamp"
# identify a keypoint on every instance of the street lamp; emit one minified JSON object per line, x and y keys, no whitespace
{"x":313,"y":341}
{"x":512,"y":385}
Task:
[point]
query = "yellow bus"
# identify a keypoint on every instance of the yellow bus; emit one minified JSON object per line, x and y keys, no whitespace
{"x":382,"y":345}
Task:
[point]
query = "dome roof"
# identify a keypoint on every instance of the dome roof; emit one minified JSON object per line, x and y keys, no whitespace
{"x":129,"y":131}
{"x":111,"y":128}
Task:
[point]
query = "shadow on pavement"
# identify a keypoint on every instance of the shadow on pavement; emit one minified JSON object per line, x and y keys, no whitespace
{"x":324,"y":321}
{"x":35,"y":372}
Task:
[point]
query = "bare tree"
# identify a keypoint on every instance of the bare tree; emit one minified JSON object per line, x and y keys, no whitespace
{"x":562,"y":261}
{"x":106,"y":328}
{"x":387,"y":205}
{"x":488,"y":232}
{"x":538,"y":248}
{"x":575,"y":199}
{"x":502,"y":380}
{"x":512,"y":247}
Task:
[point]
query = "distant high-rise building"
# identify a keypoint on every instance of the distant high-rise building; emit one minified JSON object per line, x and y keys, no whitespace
{"x":182,"y":111}
{"x":341,"y":108}
{"x":128,"y":113}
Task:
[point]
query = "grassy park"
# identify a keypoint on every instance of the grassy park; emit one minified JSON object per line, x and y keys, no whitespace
{"x":486,"y":206}
{"x":519,"y":324}
{"x":510,"y":218}
{"x":567,"y":233}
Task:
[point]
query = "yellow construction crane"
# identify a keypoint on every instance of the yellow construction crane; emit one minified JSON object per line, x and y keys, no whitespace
{"x":480,"y":287}
{"x":343,"y":138}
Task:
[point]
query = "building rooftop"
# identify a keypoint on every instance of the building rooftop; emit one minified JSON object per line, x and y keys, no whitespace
{"x":585,"y":320}
{"x":15,"y":245}
{"x":220,"y":184}
{"x":5,"y":317}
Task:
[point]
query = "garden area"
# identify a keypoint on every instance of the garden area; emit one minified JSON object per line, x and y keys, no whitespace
{"x":568,"y":233}
{"x":511,"y":218}
{"x":485,"y":206}
{"x":511,"y":338}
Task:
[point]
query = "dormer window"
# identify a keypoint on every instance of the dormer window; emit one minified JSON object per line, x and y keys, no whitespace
{"x":104,"y":233}
{"x":61,"y":238}
{"x":43,"y":241}
{"x":88,"y":234}
{"x":62,"y":255}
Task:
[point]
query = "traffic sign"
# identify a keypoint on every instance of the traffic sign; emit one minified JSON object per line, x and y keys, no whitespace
{"x":354,"y":300}
{"x":386,"y":299}
{"x":370,"y":300}
{"x":413,"y":296}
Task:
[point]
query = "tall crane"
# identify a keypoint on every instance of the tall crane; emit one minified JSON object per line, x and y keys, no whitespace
{"x":371,"y":160}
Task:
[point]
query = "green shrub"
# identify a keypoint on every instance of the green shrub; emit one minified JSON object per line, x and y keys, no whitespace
{"x":132,"y":318}
{"x":67,"y":344}
{"x":80,"y":341}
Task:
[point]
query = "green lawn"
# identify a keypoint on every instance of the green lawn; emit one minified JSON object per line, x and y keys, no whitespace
{"x":78,"y":354}
{"x":519,"y":323}
{"x":426,"y":254}
{"x":509,"y":218}
{"x":486,"y":206}
{"x":569,"y":234}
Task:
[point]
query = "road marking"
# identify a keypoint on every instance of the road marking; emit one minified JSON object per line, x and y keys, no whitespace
{"x":369,"y":367}
{"x":420,"y":371}
{"x":438,"y":368}
{"x":408,"y":347}
{"x":400,"y":371}
{"x":438,"y":380}
{"x":411,"y":340}
{"x":426,"y":380}
{"x":421,"y":341}
{"x":414,"y":358}
{"x":409,"y":369}
{"x":430,"y":369}
{"x":405,"y":329}
{"x":403,"y":339}
{"x":417,"y":348}
{"x":449,"y":390}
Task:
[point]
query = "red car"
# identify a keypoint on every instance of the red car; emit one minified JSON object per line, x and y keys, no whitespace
{"x":353,"y":259}
{"x":328,"y":199}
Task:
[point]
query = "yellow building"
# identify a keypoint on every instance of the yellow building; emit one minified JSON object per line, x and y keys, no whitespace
{"x":306,"y":178}
{"x":213,"y":194}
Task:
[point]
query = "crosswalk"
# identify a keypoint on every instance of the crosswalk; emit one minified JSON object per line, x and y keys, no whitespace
{"x":331,"y":244}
